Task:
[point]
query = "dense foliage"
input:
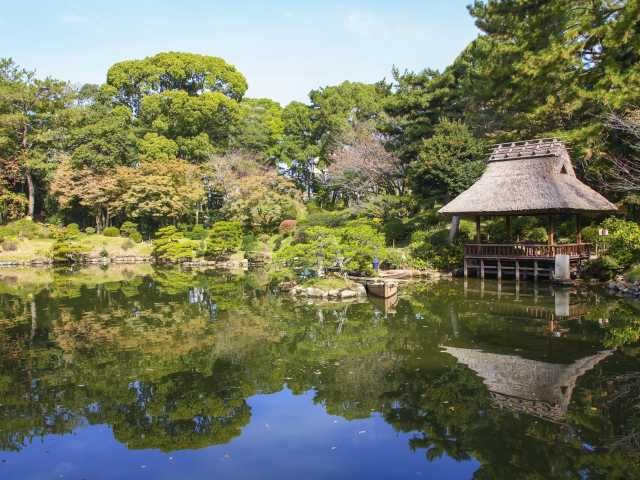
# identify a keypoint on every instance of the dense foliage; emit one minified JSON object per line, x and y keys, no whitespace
{"x":171,"y":139}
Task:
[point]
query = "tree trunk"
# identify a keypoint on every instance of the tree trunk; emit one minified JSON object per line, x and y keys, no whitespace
{"x":31,"y":191}
{"x":455,"y":227}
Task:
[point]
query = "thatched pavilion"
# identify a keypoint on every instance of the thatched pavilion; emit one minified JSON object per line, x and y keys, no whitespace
{"x":533,"y":177}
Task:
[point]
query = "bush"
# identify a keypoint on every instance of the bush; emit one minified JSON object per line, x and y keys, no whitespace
{"x":623,"y":241}
{"x":225,"y":237}
{"x":396,"y":230}
{"x":89,"y":230}
{"x":328,"y":219}
{"x":9,"y":245}
{"x":432,"y":248}
{"x":136,"y":237}
{"x":287,"y":226}
{"x":355,"y":244}
{"x":602,"y":268}
{"x":25,"y":228}
{"x":111,"y":232}
{"x":171,"y":245}
{"x":128,"y":228}
{"x":197,"y":232}
{"x":73,"y":229}
{"x":67,"y":249}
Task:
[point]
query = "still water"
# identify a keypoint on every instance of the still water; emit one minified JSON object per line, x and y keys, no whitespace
{"x":136,"y":373}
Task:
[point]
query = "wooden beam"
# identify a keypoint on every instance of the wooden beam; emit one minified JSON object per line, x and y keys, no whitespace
{"x":578,"y":229}
{"x":509,"y":232}
{"x":478,"y":230}
{"x":551,"y":232}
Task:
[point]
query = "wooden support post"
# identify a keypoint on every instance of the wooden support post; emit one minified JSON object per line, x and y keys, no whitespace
{"x":478,"y":230}
{"x":481,"y":268}
{"x":551,"y":231}
{"x":466,"y":268}
{"x":499,"y":269}
{"x":517,"y":270}
{"x":535,"y":270}
{"x":509,"y":231}
{"x":578,"y":232}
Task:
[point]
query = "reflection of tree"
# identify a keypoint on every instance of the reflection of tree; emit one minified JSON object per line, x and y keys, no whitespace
{"x":146,"y":355}
{"x":184,"y":410}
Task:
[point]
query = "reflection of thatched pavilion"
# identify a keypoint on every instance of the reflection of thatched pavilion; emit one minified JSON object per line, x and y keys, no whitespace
{"x":533,"y":387}
{"x":532,"y":177}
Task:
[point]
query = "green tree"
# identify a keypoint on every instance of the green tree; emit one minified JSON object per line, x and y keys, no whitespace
{"x":299,"y":149}
{"x":100,"y":135}
{"x":260,"y":128}
{"x":448,"y":163}
{"x":174,"y":71}
{"x":338,"y":109}
{"x":29,"y":124}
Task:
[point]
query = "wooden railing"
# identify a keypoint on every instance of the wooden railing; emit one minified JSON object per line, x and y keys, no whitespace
{"x":502,"y":250}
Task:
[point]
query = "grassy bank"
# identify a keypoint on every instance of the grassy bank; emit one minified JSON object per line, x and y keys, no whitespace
{"x":27,"y":241}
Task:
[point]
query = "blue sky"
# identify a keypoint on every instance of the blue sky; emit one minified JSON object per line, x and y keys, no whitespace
{"x":284,"y":47}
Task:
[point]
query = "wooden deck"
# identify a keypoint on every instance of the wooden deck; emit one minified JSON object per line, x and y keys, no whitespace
{"x":536,"y":251}
{"x":521,"y":259}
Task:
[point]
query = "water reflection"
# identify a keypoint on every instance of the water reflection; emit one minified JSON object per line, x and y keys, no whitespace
{"x":524,"y":380}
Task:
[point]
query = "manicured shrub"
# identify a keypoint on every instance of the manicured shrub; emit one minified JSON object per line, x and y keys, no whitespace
{"x":128,"y":228}
{"x":72,"y":229}
{"x":89,"y":230}
{"x":171,"y":245}
{"x":225,"y":237}
{"x":198,"y":232}
{"x":111,"y":232}
{"x":67,"y":249}
{"x":136,"y":237}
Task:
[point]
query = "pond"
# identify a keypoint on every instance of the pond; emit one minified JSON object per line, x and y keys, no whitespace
{"x":137,"y":373}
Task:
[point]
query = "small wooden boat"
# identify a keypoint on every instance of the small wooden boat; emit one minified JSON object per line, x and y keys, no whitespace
{"x":382,"y":289}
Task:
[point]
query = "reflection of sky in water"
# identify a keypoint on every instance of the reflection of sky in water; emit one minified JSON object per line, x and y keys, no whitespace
{"x":288,"y":437}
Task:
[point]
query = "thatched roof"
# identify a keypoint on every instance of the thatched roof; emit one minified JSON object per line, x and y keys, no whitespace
{"x":537,"y":388}
{"x":528,"y":178}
